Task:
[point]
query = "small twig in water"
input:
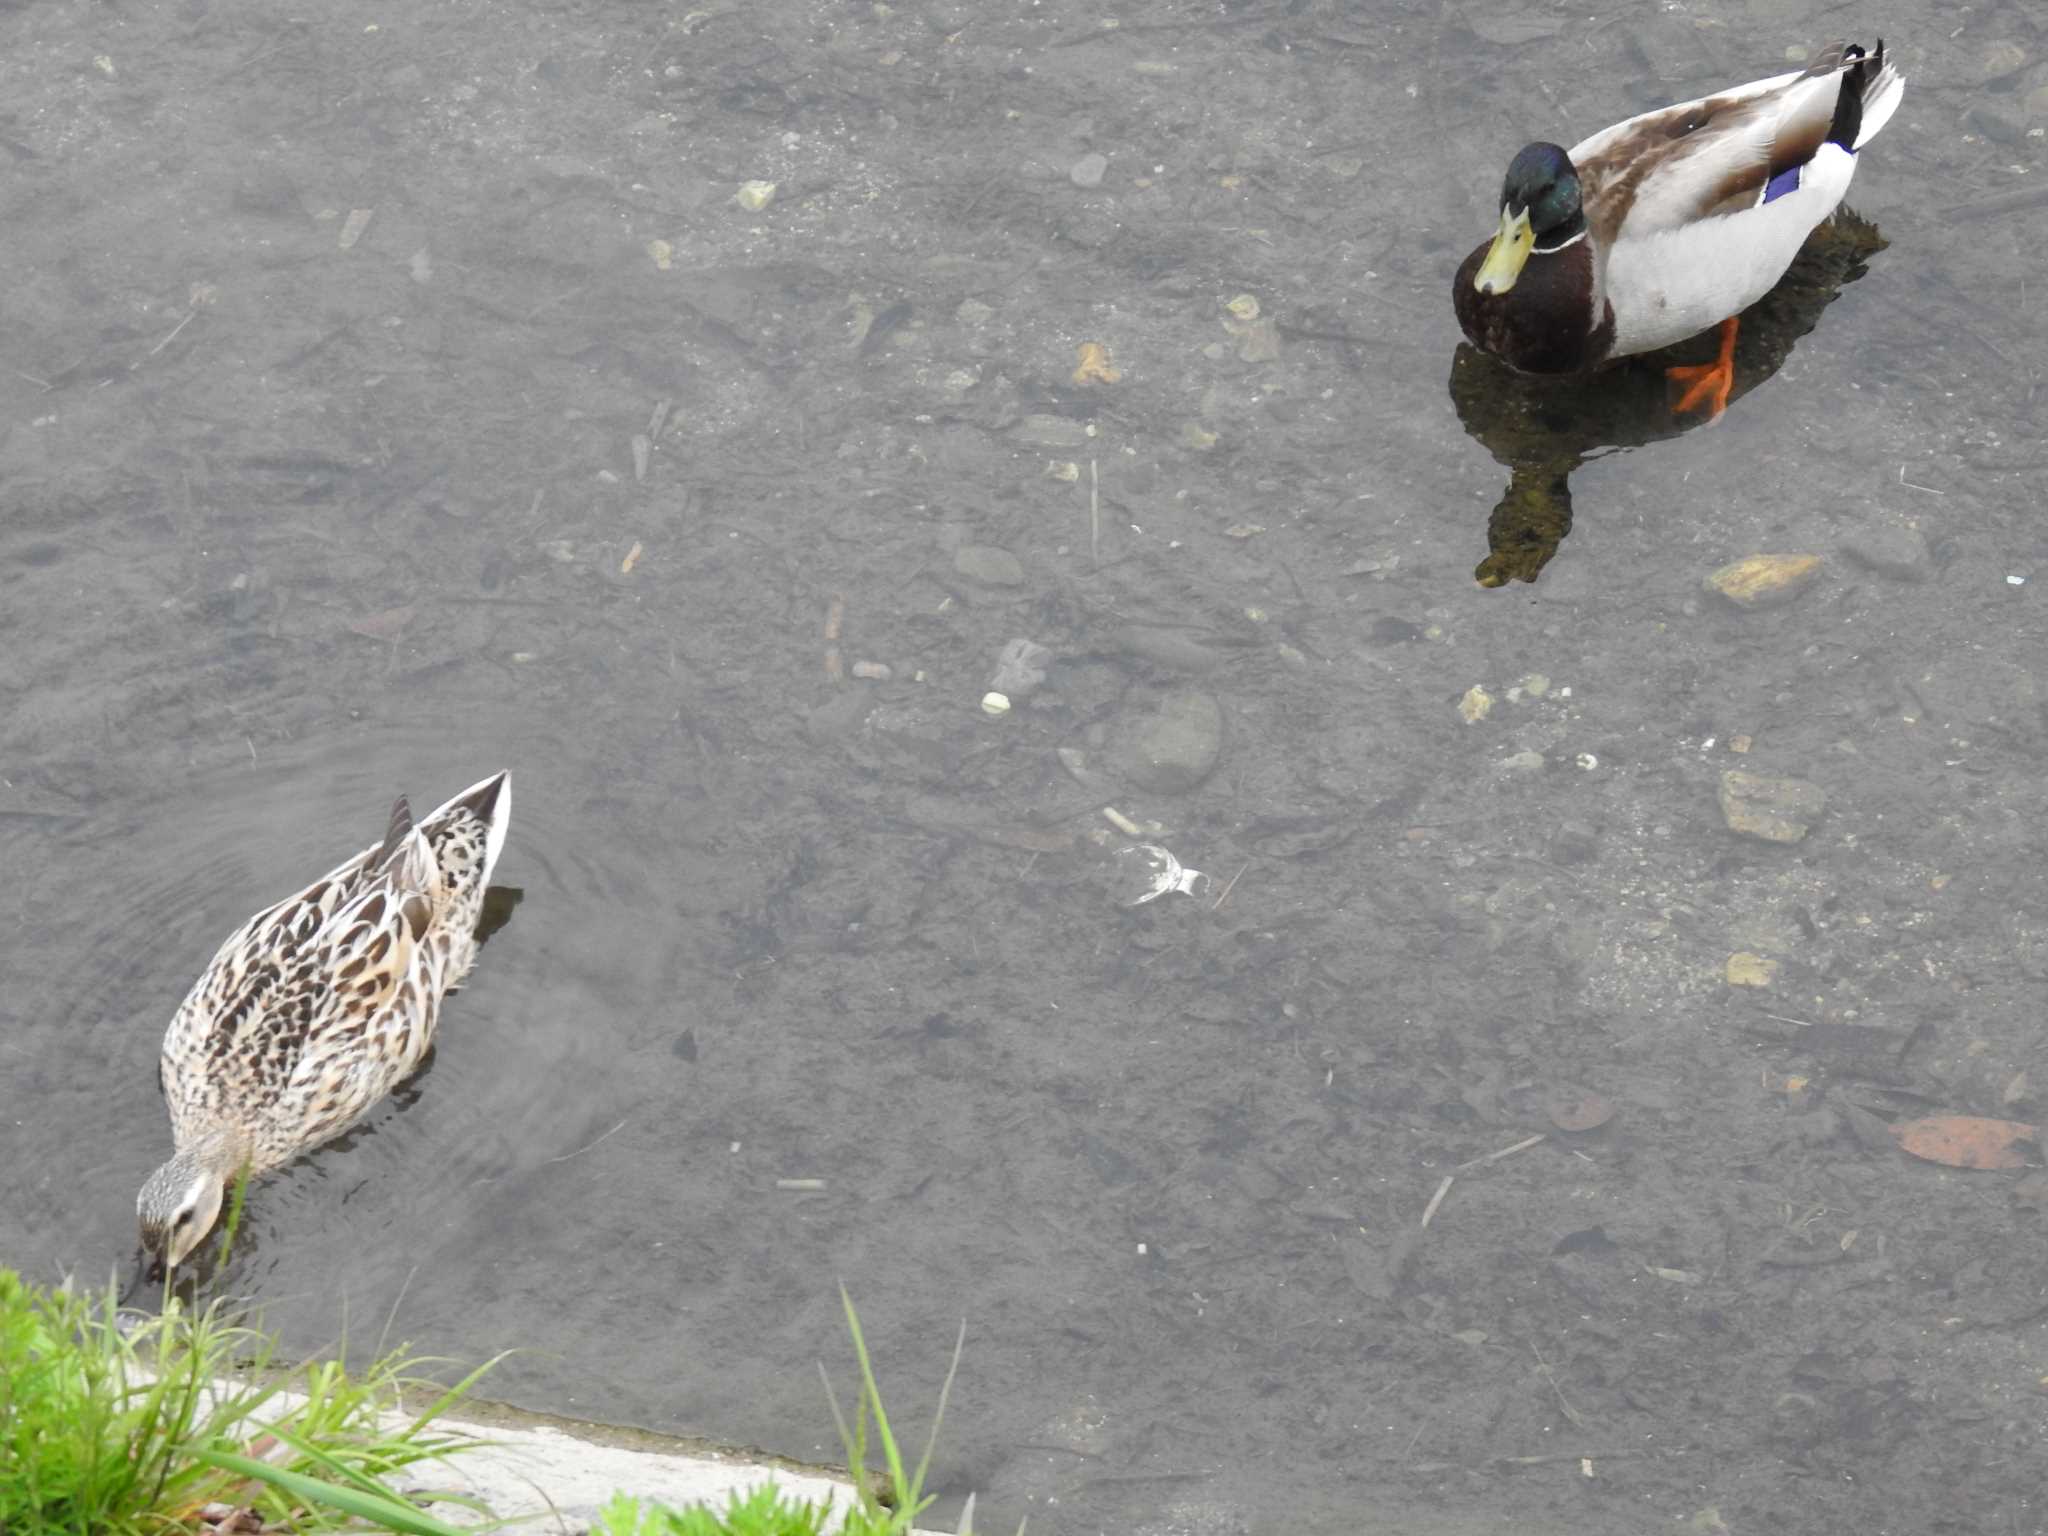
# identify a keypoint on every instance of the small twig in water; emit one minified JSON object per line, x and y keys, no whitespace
{"x":1437,"y":1199}
{"x":1551,"y":1376}
{"x":538,"y":496}
{"x":188,"y":320}
{"x":1527,"y":1461}
{"x":835,"y":618}
{"x":1094,"y":515}
{"x":1493,"y":1157}
{"x":588,"y":1145}
{"x":1218,"y":902}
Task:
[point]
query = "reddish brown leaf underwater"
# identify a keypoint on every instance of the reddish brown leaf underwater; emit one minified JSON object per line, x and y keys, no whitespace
{"x":1578,"y":1109}
{"x":1966,"y":1141}
{"x":388,"y":625}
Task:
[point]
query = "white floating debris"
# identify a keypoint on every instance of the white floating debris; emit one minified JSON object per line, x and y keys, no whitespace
{"x":353,"y":226}
{"x":1158,"y":873}
{"x":995,"y":704}
{"x":2015,"y":580}
{"x":755,"y":195}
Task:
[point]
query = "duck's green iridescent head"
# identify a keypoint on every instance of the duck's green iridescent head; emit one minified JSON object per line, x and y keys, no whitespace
{"x":1539,"y":211}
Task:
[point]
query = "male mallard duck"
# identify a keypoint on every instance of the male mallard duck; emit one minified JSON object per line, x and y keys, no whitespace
{"x":1655,"y":229}
{"x":317,"y":1007}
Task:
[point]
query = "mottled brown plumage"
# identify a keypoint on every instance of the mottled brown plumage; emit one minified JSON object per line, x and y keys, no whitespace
{"x":317,"y":1007}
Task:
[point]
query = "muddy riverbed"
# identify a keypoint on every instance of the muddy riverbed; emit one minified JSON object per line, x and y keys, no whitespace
{"x":391,"y":394}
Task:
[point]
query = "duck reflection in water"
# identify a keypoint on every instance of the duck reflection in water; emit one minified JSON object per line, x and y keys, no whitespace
{"x":1543,"y":429}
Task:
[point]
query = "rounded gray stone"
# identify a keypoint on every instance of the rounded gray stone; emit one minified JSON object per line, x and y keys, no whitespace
{"x":1899,"y":553}
{"x":1173,"y":746}
{"x":990,"y":566}
{"x":1089,"y":170}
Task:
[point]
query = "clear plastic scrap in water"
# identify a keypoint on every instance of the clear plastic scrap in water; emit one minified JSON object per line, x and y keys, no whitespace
{"x":1020,"y":667}
{"x":1146,"y":872}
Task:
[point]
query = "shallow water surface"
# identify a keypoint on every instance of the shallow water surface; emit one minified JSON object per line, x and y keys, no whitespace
{"x":392,"y":395}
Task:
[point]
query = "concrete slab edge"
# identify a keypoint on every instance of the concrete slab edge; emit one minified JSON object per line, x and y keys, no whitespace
{"x":555,"y":1475}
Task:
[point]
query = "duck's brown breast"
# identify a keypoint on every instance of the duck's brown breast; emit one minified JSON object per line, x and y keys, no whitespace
{"x":1544,"y":324}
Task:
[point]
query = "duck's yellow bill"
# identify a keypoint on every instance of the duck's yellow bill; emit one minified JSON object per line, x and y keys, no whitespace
{"x":1507,"y":255}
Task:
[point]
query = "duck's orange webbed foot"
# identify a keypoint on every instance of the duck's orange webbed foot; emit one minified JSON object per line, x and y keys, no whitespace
{"x":1706,"y":386}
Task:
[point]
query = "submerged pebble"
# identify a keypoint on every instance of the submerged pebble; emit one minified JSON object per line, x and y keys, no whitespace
{"x":989,"y":565}
{"x":1173,"y":746}
{"x":1764,"y":581}
{"x":1778,"y":810}
{"x":1747,"y":969}
{"x":1899,"y":553}
{"x":1175,"y":650}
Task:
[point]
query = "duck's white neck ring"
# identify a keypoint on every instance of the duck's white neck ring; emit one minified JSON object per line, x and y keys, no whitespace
{"x":1562,"y":245}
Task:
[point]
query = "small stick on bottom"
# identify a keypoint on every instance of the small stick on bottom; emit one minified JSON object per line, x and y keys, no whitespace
{"x":1437,"y":1199}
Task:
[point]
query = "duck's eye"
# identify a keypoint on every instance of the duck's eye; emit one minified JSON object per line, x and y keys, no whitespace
{"x":182,"y":1219}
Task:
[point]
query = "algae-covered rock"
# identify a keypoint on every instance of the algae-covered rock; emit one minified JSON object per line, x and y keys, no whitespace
{"x":1764,"y":581}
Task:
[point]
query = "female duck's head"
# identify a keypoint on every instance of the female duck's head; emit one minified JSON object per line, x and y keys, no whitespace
{"x":181,"y":1201}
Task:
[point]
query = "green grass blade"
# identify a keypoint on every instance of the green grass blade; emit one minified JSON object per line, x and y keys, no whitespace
{"x":873,"y":1395}
{"x":931,"y":1441}
{"x":452,"y":1396}
{"x":385,"y":1509}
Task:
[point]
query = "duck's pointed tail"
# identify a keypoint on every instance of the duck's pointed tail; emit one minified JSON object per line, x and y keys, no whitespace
{"x":1871,"y":90}
{"x":490,"y":802}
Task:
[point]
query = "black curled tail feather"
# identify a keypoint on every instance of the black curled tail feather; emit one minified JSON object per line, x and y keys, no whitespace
{"x":1860,"y":72}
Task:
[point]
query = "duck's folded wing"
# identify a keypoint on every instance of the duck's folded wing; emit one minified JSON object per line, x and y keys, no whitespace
{"x":304,"y":977}
{"x":369,"y":1003}
{"x":1677,"y":165}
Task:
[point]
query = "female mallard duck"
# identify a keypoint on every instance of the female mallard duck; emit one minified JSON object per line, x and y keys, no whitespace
{"x":317,"y":1007}
{"x":1653,"y":230}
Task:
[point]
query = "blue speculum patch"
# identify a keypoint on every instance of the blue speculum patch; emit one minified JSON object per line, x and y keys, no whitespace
{"x":1785,"y":181}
